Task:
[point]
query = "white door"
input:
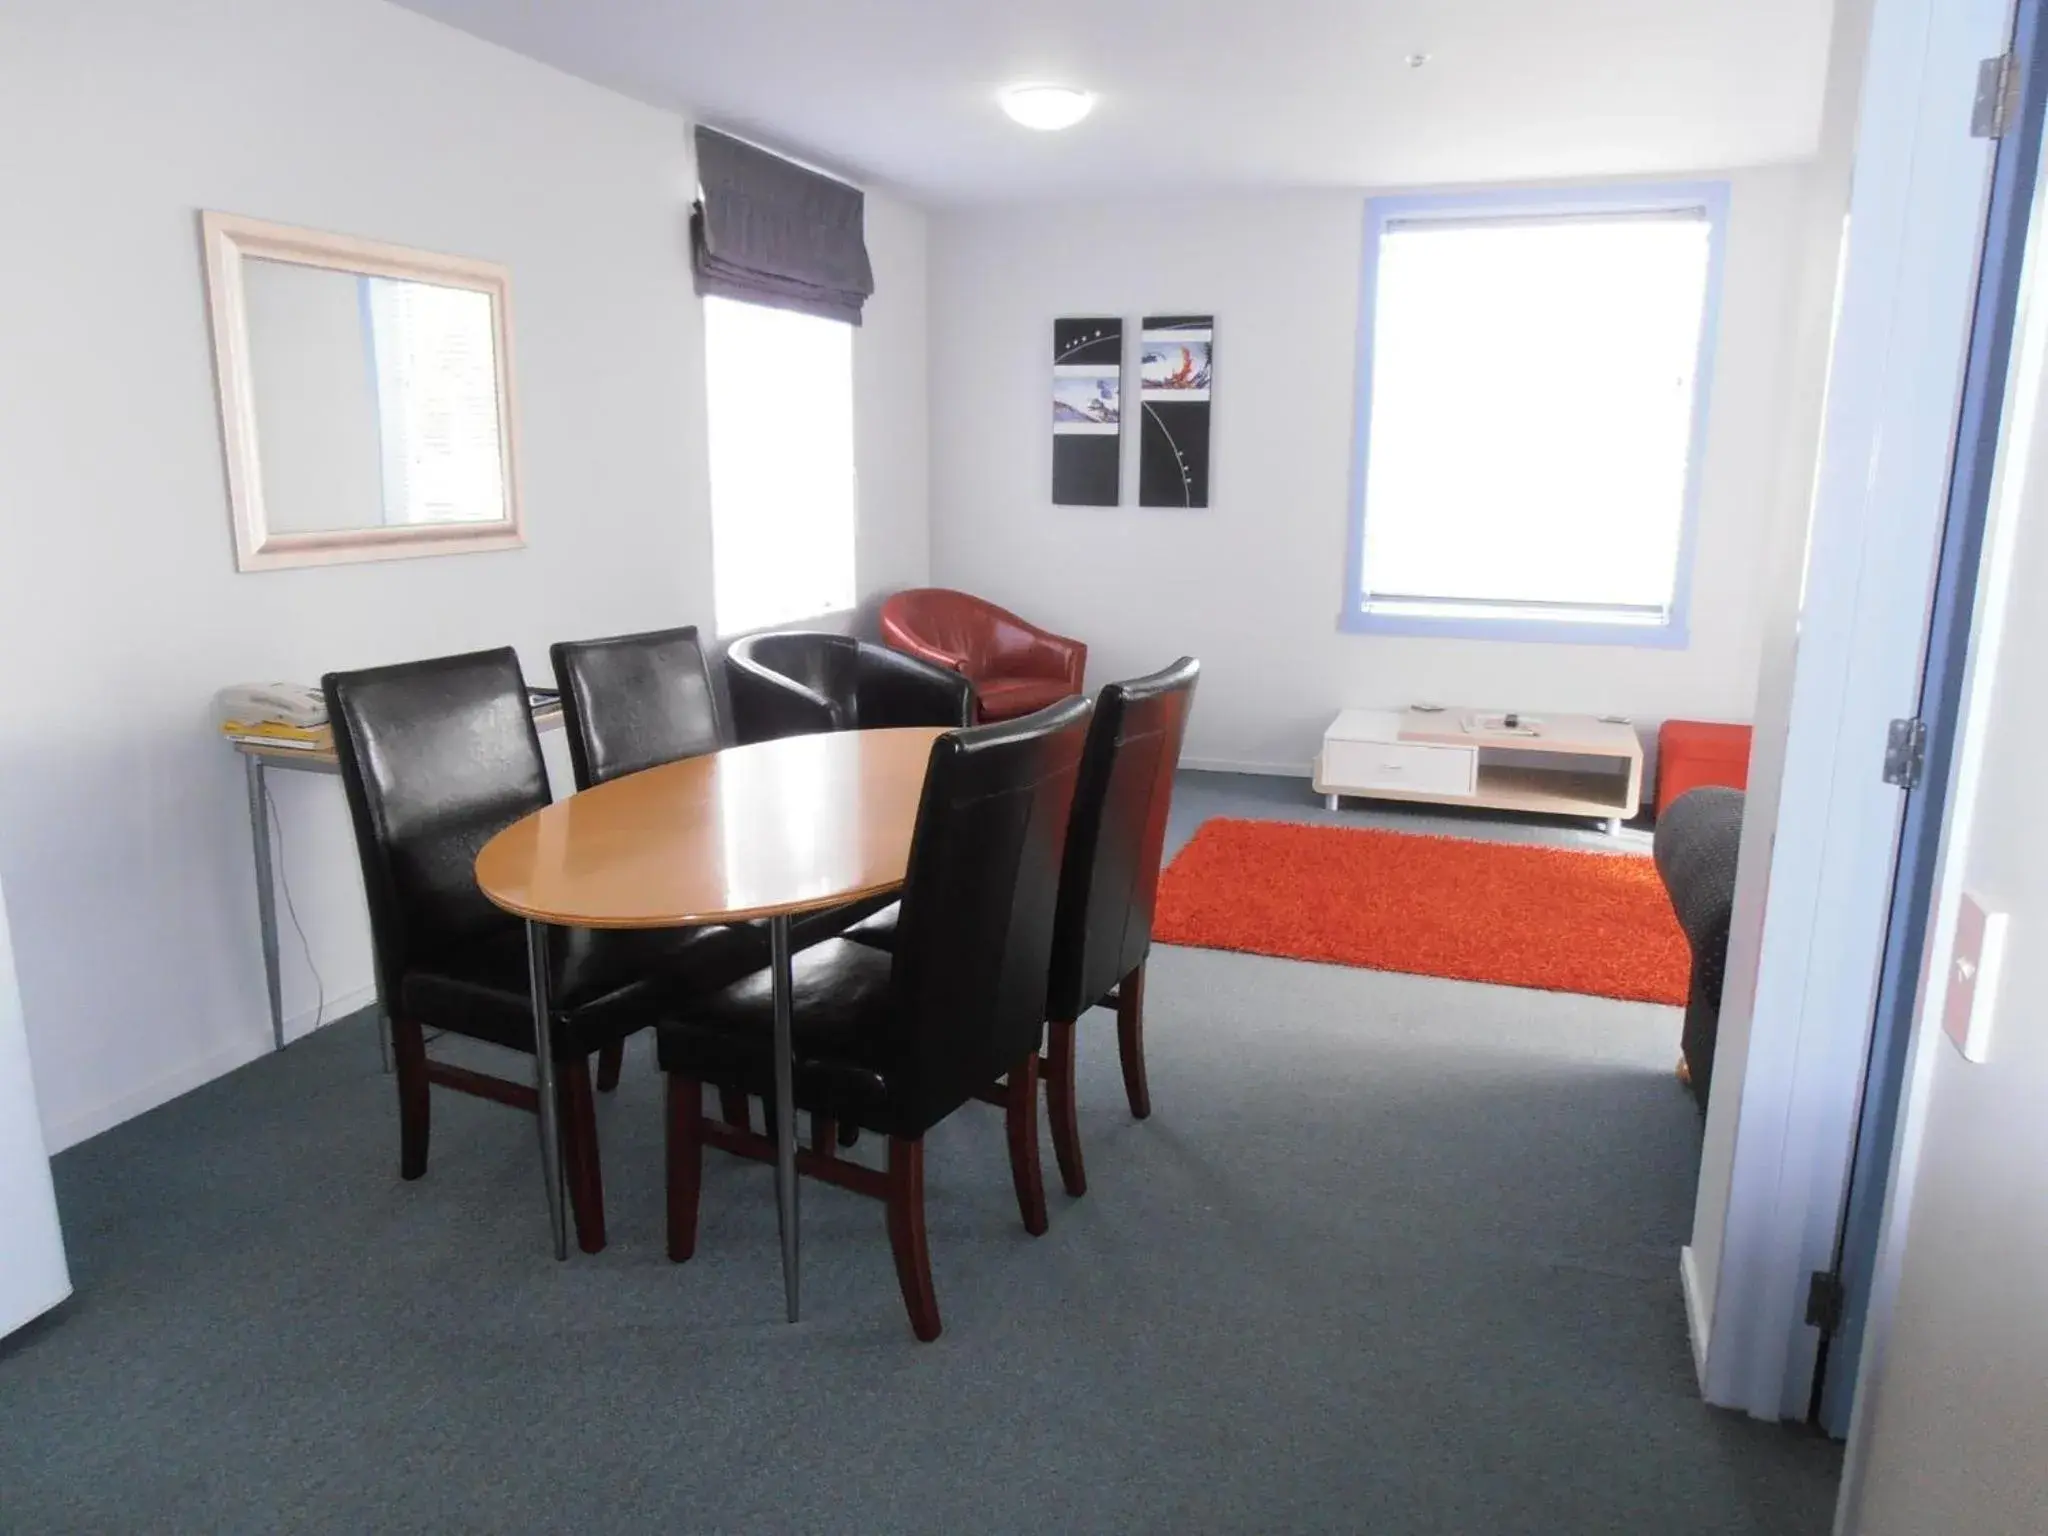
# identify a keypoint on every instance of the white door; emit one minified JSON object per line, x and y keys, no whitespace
{"x":33,"y":1278}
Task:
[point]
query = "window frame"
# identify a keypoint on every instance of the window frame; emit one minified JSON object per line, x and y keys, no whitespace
{"x":1711,"y":198}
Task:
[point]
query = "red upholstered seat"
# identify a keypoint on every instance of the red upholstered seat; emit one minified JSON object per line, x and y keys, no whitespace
{"x":1015,"y":667}
{"x":1693,"y":754}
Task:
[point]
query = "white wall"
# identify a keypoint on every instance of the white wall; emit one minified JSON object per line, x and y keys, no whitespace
{"x":891,"y":414}
{"x":1254,"y":584}
{"x":124,"y":844}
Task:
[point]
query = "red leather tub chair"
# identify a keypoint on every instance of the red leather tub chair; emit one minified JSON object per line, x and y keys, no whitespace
{"x":1015,"y":667}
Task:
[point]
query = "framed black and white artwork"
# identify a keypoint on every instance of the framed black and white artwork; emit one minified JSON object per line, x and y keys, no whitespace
{"x":1176,"y":367}
{"x":1087,"y":412}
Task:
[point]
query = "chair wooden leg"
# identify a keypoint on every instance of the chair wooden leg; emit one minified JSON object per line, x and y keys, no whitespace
{"x":907,"y":1236}
{"x":415,"y":1115}
{"x":584,"y":1172}
{"x":1130,"y":1040}
{"x":609,"y":1061}
{"x":1059,"y":1107}
{"x":1021,"y":1113}
{"x":685,"y":1164}
{"x":733,"y":1109}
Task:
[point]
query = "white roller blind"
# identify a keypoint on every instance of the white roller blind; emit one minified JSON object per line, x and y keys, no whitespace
{"x":1531,"y":415}
{"x":782,"y":468}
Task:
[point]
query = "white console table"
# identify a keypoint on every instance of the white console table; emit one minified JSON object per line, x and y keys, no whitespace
{"x":1558,"y":765}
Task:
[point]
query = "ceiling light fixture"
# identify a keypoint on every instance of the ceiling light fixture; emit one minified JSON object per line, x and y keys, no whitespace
{"x":1417,"y":60}
{"x":1047,"y":108}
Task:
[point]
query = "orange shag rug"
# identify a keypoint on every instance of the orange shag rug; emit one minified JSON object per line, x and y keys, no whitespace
{"x":1564,"y":921}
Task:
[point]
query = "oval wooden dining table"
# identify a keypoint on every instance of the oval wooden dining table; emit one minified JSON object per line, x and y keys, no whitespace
{"x":765,"y":831}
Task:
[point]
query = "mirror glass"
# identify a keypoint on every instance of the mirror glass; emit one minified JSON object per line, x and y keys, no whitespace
{"x":375,"y":400}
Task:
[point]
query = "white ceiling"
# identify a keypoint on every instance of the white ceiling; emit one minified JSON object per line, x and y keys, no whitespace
{"x":1202,"y":94}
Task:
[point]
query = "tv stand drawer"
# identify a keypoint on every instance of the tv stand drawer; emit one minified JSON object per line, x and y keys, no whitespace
{"x":1364,"y":766}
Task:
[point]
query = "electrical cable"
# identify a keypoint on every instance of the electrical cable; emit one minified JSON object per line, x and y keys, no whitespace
{"x":285,"y":884}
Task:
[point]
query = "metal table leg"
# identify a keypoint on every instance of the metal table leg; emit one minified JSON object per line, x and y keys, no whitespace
{"x":785,"y":1108}
{"x":266,"y":893}
{"x":544,"y":1083}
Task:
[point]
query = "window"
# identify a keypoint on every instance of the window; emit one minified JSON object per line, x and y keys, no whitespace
{"x":782,"y":479}
{"x":1533,"y":388}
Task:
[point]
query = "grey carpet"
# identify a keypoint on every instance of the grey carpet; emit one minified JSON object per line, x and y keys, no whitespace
{"x":1393,"y":1255}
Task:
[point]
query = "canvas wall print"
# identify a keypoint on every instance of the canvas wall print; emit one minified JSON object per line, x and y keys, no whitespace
{"x":1176,"y":366}
{"x":1087,"y":412}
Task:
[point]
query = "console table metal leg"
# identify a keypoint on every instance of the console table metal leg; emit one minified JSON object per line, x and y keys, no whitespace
{"x":544,"y":1084}
{"x":785,"y":1107}
{"x":266,"y":893}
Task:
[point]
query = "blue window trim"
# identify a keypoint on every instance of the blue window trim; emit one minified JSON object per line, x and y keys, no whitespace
{"x":1675,"y":633}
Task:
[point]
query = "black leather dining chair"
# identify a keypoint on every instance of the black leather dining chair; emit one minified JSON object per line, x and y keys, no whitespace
{"x":636,"y":701}
{"x":896,"y":1042}
{"x":436,"y":758}
{"x":1109,"y":888}
{"x":790,"y":683}
{"x":632,"y":702}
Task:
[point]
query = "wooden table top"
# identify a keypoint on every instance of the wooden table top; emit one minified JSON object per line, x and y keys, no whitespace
{"x":780,"y":826}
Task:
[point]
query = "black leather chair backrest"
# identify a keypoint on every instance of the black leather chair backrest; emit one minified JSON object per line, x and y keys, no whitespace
{"x":975,"y":933}
{"x":635,"y":701}
{"x":891,"y":688}
{"x":790,"y":683}
{"x":437,"y":757}
{"x":1110,"y":883}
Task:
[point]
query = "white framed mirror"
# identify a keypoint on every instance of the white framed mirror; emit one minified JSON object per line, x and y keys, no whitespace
{"x":366,"y":401}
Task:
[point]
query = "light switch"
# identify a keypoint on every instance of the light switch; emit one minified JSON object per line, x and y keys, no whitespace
{"x":1973,"y":971}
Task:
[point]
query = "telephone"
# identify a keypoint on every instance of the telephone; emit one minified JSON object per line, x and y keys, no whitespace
{"x":291,"y":704}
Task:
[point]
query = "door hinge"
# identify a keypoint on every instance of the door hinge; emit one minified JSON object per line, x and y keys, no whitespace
{"x":1998,"y":97}
{"x":1905,"y":753}
{"x":1825,"y":1300}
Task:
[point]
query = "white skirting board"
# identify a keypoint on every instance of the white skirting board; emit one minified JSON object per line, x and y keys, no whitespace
{"x":33,"y":1274}
{"x":196,"y":1074}
{"x":1231,"y":765}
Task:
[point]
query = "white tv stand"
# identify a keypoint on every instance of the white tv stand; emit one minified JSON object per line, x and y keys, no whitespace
{"x":1554,"y":765}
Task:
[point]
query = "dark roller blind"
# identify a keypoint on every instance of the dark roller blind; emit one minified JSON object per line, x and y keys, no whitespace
{"x":768,"y":231}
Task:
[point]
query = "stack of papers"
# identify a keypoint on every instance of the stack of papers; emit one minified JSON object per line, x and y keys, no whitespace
{"x":275,"y":733}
